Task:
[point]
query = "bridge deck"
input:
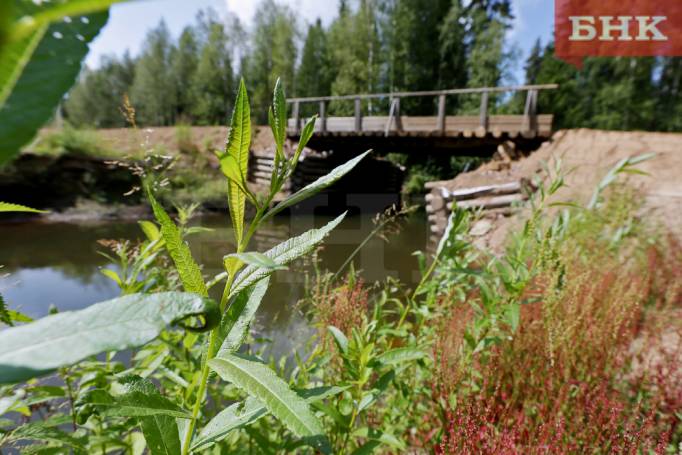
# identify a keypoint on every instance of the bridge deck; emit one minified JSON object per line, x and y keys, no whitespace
{"x":497,"y":126}
{"x":479,"y":134}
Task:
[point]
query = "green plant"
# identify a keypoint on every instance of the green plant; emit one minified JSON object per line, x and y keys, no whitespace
{"x":79,"y":142}
{"x":38,"y":52}
{"x":117,"y":402}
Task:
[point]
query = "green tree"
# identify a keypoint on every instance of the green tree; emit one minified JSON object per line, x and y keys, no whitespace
{"x":153,"y":90}
{"x":411,"y":31}
{"x":273,"y":54}
{"x":313,"y":77}
{"x":213,"y":81}
{"x":355,"y":53}
{"x":96,"y":100}
{"x":184,"y":65}
{"x":669,"y":95}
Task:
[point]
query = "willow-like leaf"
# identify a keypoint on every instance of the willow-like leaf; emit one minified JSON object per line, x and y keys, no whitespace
{"x":9,"y":207}
{"x":126,"y":322}
{"x":188,"y":269}
{"x":317,"y":186}
{"x":235,"y":323}
{"x":259,"y":381}
{"x":284,"y":253}
{"x":238,"y":143}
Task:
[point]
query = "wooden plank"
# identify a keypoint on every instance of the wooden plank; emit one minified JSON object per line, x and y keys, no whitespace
{"x":358,"y":115}
{"x":323,"y":116}
{"x":489,"y":202}
{"x":487,"y":190}
{"x":457,"y":91}
{"x":468,"y":125}
{"x":441,"y":113}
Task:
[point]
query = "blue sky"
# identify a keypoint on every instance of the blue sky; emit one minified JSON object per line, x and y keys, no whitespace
{"x":129,"y":22}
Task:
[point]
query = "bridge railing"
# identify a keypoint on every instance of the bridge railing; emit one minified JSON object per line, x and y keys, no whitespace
{"x":529,"y":119}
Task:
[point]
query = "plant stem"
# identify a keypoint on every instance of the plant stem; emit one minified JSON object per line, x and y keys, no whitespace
{"x":200,"y":393}
{"x":210,"y":352}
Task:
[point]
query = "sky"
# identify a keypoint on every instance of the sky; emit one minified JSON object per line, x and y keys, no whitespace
{"x":129,"y":22}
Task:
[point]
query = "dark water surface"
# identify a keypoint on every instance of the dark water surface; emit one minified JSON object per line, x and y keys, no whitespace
{"x":58,"y":264}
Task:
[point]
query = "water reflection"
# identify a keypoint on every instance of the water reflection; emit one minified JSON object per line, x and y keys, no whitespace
{"x":58,"y":264}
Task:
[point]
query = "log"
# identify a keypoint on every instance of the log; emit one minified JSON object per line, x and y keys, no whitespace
{"x":489,"y":202}
{"x":487,"y":190}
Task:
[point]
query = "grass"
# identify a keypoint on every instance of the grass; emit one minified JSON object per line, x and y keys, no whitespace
{"x":591,"y":367}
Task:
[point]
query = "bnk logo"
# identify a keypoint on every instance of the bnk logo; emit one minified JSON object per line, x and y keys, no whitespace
{"x":617,"y":28}
{"x":626,"y":28}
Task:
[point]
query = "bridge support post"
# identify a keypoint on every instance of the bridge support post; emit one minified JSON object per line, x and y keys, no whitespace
{"x":358,"y":115}
{"x":323,"y":117}
{"x":441,"y":113}
{"x":484,"y":113}
{"x":297,"y":117}
{"x":530,"y":115}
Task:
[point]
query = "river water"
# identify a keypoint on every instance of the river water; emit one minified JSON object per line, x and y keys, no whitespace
{"x":58,"y":264}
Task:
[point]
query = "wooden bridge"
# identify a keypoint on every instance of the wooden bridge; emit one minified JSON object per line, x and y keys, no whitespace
{"x":394,"y":132}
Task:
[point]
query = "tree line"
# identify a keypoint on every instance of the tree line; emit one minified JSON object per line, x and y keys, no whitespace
{"x":370,"y":46}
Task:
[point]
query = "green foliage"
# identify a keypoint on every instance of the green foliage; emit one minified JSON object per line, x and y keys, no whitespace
{"x":72,"y":141}
{"x":64,"y":339}
{"x":189,"y":271}
{"x":41,"y":56}
{"x":212,"y":82}
{"x":234,"y":162}
{"x":152,"y":91}
{"x":109,"y":403}
{"x":9,"y":207}
{"x":259,"y":381}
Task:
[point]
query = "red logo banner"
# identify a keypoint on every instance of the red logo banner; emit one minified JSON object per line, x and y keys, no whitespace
{"x":617,"y":28}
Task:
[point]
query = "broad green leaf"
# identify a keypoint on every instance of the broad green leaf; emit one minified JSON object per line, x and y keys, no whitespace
{"x":9,"y":207}
{"x":229,"y":419}
{"x":7,"y":403}
{"x":235,"y":323}
{"x":260,"y":382}
{"x":378,"y":436}
{"x":317,"y":186}
{"x":257,"y":259}
{"x":189,"y":271}
{"x":112,"y":275}
{"x":135,"y":404}
{"x":279,"y":115}
{"x":160,"y":429}
{"x":126,"y":322}
{"x":238,"y":142}
{"x":240,"y":415}
{"x":400,"y":355}
{"x":161,"y":434}
{"x":150,"y":230}
{"x":53,"y":11}
{"x":232,"y":170}
{"x":36,"y":70}
{"x":5,"y":316}
{"x":284,"y":253}
{"x":39,"y":431}
{"x":306,"y":134}
{"x":339,"y":338}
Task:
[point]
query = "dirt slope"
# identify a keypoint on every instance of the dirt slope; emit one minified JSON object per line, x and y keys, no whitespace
{"x":590,"y":154}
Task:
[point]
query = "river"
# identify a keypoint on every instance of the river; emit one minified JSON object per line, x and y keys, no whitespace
{"x":58,"y":264}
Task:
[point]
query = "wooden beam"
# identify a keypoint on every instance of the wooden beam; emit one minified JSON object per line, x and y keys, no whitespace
{"x":530,"y":115}
{"x":297,"y":117}
{"x":323,"y":116}
{"x":484,"y":112}
{"x":457,"y":91}
{"x":358,"y":114}
{"x":441,"y":113}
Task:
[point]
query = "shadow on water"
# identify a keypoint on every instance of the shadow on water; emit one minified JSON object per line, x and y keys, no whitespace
{"x":58,"y":264}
